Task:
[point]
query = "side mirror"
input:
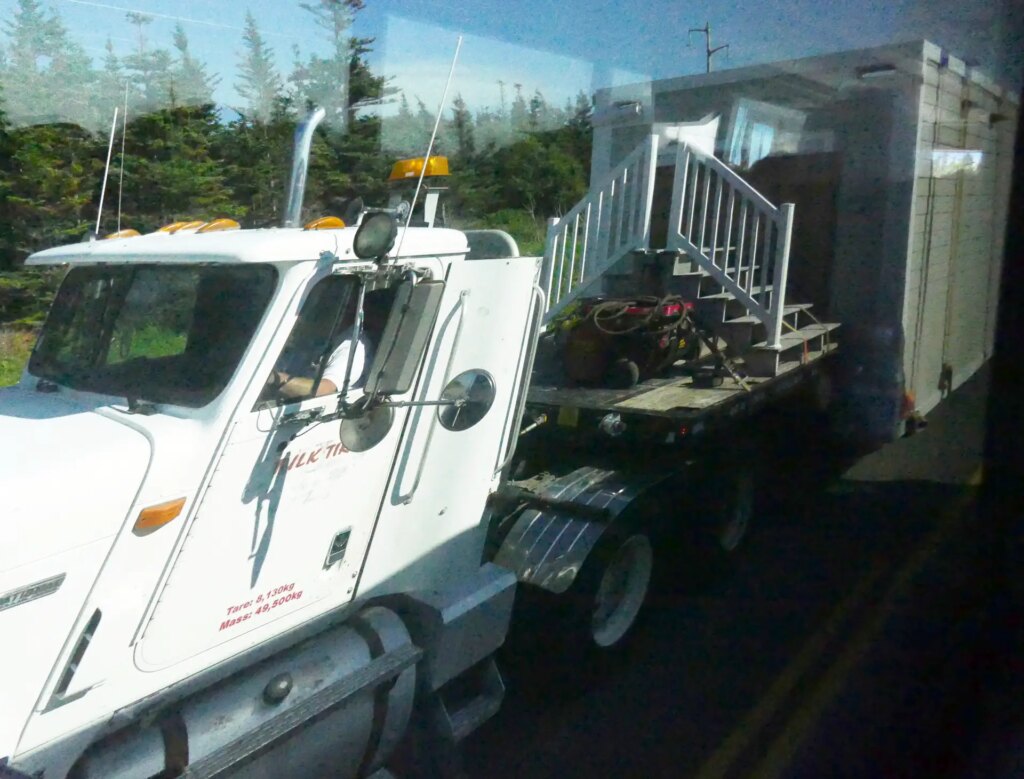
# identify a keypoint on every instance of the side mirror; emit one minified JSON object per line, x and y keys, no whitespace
{"x":405,"y":338}
{"x":375,"y":236}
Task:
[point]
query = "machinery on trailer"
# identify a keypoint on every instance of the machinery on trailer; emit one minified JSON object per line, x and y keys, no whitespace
{"x":263,"y":508}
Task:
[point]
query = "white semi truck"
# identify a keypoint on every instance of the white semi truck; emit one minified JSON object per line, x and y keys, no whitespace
{"x":215,"y":560}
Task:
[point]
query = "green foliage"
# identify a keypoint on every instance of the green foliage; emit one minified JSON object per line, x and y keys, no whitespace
{"x":47,"y":76}
{"x":15,"y":348}
{"x":54,"y":185}
{"x":512,"y":166}
{"x":150,"y":341}
{"x":26,"y":295}
{"x":171,"y":169}
{"x":528,"y":231}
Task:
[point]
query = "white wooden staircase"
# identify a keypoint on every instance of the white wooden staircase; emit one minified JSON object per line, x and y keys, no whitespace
{"x":731,"y":249}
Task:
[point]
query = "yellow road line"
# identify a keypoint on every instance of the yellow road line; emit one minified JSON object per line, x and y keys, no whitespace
{"x":740,"y":739}
{"x":723,"y":759}
{"x":798,"y":728}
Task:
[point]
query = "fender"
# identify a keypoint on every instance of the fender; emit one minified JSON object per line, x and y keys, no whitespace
{"x":558,"y":520}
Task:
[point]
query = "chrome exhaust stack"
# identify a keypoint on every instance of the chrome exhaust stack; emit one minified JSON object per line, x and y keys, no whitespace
{"x":300,"y":166}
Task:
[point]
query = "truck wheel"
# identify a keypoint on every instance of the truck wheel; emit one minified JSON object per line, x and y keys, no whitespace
{"x":614,"y":589}
{"x":736,"y":511}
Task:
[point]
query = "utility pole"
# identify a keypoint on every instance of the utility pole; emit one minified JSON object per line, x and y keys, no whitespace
{"x":709,"y":51}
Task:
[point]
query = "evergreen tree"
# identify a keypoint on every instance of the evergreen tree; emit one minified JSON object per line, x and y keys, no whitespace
{"x":149,"y":71}
{"x":519,"y":114}
{"x":259,"y":82}
{"x":191,"y":83}
{"x":48,"y":75}
{"x":462,"y":121}
{"x":55,"y":184}
{"x":172,"y":170}
{"x":7,"y":240}
{"x":324,"y":81}
{"x":110,"y":84}
{"x":402,"y":134}
{"x":538,"y":111}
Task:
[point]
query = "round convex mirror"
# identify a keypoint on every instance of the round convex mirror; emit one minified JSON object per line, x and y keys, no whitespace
{"x":473,"y":393}
{"x":375,"y":236}
{"x":366,"y":430}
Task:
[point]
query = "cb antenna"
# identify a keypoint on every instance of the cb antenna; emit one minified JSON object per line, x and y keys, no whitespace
{"x":709,"y":52}
{"x":124,"y":134}
{"x":106,"y":171}
{"x":430,"y":146}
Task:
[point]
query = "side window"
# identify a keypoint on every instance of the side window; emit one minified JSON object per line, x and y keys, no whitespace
{"x":315,"y":357}
{"x":317,"y":347}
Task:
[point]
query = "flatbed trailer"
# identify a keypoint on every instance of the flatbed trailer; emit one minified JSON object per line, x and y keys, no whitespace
{"x":670,"y":409}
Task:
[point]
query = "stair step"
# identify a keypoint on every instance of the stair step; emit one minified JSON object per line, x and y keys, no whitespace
{"x":791,"y":339}
{"x":790,"y":308}
{"x":755,"y":290}
{"x":764,"y":360}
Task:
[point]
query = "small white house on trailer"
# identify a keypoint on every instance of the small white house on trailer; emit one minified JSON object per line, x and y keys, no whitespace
{"x":898,"y":160}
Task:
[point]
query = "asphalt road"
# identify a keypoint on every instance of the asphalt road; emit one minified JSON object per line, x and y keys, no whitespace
{"x":845,"y":639}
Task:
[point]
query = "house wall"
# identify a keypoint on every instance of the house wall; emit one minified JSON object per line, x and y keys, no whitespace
{"x":954,"y":256}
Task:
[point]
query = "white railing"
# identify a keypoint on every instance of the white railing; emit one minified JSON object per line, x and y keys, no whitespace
{"x":613,"y":220}
{"x":730,"y":231}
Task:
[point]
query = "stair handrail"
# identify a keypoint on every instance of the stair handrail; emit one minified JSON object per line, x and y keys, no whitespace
{"x":611,"y":221}
{"x":760,"y":228}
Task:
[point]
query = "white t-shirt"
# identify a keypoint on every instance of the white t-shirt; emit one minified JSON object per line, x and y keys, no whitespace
{"x":338,"y":362}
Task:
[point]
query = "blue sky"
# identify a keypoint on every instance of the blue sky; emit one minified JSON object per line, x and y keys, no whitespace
{"x":562,"y":47}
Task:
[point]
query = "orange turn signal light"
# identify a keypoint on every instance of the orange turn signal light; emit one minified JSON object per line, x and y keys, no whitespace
{"x":129,"y":233}
{"x":157,"y":516}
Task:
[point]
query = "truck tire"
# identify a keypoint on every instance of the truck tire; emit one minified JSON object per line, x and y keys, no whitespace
{"x":725,"y":507}
{"x":617,"y":588}
{"x":736,"y":512}
{"x":569,"y":638}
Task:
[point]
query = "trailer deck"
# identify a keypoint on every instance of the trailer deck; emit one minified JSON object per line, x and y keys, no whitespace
{"x":672,"y":402}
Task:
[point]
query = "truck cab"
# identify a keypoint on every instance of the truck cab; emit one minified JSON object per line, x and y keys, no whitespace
{"x":224,"y":437}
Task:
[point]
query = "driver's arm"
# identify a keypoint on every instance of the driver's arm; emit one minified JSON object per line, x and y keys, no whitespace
{"x":288,"y":386}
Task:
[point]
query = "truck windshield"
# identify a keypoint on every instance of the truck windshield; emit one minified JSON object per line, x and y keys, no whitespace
{"x":165,"y":334}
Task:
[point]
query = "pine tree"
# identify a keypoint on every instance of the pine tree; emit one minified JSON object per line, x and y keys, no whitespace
{"x":191,"y":83}
{"x":7,"y":240}
{"x":462,"y":121}
{"x":324,"y":81}
{"x":48,"y":75}
{"x":54,"y":186}
{"x":259,"y":82}
{"x":149,"y":71}
{"x":173,"y":170}
{"x":519,"y":114}
{"x":110,"y":84}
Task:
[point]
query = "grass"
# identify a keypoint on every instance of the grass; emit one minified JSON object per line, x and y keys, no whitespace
{"x":15,"y":347}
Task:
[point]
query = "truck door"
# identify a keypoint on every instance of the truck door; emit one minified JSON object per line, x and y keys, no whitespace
{"x":280,"y":530}
{"x":430,"y":530}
